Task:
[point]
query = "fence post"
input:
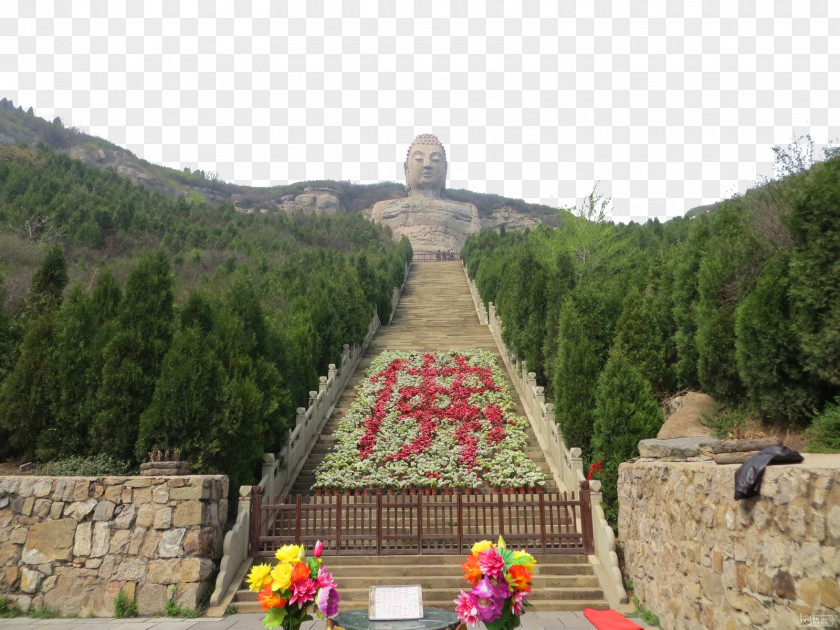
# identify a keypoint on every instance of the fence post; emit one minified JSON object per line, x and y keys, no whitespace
{"x":379,"y":522}
{"x":338,"y":525}
{"x":501,"y":515}
{"x":542,"y":521}
{"x":460,"y":521}
{"x":586,"y":518}
{"x":420,"y":523}
{"x":256,"y":504}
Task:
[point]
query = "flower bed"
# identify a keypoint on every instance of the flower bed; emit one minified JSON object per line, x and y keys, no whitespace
{"x":442,"y":420}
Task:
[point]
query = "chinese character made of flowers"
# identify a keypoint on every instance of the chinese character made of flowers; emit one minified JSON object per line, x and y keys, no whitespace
{"x":431,"y":420}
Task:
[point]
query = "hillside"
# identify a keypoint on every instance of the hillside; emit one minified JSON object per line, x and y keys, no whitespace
{"x":331,"y":197}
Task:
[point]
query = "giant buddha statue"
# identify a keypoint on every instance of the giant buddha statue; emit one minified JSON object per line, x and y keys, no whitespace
{"x":429,"y":220}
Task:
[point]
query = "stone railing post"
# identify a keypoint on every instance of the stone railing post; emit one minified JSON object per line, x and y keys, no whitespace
{"x":539,"y":394}
{"x":322,"y":384}
{"x":331,"y":371}
{"x":532,"y":381}
{"x":549,"y":413}
{"x":269,"y":467}
{"x":313,"y":402}
{"x":301,"y":415}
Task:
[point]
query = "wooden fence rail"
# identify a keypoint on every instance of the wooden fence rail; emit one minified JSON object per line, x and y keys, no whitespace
{"x":422,"y":523}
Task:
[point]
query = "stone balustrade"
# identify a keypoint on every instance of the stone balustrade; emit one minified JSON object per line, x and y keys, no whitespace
{"x":565,"y":463}
{"x":72,"y":543}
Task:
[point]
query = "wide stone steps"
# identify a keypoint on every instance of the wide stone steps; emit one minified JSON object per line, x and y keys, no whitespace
{"x":435,"y":313}
{"x":561,"y":582}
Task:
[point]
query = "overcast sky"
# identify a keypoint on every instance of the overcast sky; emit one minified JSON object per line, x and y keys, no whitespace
{"x":667,"y":105}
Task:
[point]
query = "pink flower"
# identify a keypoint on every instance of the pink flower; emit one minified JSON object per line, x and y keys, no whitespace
{"x":303,"y":592}
{"x":517,"y":602}
{"x":328,"y":601}
{"x":319,"y":549}
{"x":466,"y":608}
{"x":324,"y":579}
{"x":491,"y":562}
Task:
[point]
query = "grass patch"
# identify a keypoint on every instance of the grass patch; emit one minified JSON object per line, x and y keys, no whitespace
{"x":124,"y":607}
{"x":174,"y":609}
{"x":644,"y":614}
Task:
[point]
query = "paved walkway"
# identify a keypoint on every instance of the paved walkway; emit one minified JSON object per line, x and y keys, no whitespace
{"x":530,"y":621}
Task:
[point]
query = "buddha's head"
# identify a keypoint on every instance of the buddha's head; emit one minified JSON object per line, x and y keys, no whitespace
{"x":425,"y":167}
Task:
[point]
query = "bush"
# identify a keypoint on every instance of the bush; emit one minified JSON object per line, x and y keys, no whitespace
{"x":94,"y":466}
{"x":124,"y":607}
{"x":824,"y":432}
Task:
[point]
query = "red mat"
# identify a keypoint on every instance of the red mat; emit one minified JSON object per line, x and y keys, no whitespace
{"x":609,"y":620}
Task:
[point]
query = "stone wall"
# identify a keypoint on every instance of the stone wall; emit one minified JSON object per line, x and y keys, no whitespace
{"x":700,"y":559}
{"x":72,"y":543}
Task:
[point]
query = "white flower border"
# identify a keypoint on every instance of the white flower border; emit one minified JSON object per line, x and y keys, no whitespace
{"x":503,"y":465}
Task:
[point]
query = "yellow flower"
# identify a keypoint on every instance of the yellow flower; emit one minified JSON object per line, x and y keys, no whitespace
{"x":281,"y":576}
{"x":529,"y":559}
{"x":501,"y":544}
{"x":259,"y":577}
{"x":480,"y":546}
{"x":289,"y":553}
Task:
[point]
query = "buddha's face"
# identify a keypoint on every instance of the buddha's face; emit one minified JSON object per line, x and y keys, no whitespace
{"x":426,"y":169}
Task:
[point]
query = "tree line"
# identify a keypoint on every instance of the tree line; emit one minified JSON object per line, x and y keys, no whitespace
{"x":212,"y":362}
{"x":742,"y":302}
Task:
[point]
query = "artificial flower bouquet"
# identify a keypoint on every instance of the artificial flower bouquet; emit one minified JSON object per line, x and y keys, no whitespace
{"x":501,"y":581}
{"x":288,"y":590}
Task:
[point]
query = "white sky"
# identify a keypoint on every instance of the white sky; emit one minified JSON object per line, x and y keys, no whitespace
{"x":668,"y":105}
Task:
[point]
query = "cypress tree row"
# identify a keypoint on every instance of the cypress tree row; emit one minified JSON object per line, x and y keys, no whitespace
{"x":132,"y":357}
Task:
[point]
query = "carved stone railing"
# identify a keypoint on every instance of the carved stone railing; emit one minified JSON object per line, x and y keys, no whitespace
{"x":279,"y":474}
{"x":565,"y":463}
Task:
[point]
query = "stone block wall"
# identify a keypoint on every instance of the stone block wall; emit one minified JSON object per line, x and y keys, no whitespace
{"x":700,"y":559}
{"x":72,"y":543}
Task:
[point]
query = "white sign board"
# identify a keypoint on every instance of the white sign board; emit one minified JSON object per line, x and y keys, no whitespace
{"x":389,"y":603}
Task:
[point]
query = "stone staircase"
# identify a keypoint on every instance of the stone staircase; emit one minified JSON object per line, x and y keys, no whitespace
{"x":561,"y":582}
{"x":436,"y":313}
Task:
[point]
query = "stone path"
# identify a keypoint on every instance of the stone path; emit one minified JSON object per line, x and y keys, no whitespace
{"x":530,"y":621}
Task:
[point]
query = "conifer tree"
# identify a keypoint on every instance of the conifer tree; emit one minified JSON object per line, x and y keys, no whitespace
{"x":575,"y":379}
{"x":768,"y":351}
{"x":76,"y":372}
{"x":639,"y":332}
{"x":24,"y":394}
{"x":48,"y":283}
{"x":815,"y":268}
{"x":625,"y":413}
{"x":132,"y":357}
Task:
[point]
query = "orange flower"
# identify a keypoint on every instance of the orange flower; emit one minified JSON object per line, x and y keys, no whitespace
{"x":300,"y":572}
{"x":269,"y":599}
{"x":519,"y":577}
{"x":472,"y":570}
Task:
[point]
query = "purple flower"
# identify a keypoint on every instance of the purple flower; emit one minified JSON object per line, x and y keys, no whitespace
{"x":500,"y":587}
{"x":489,"y":606}
{"x":328,"y":601}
